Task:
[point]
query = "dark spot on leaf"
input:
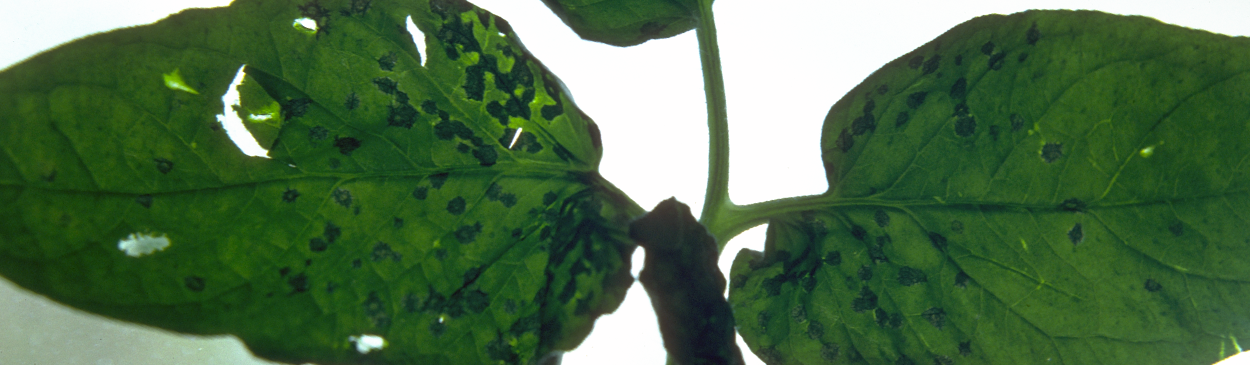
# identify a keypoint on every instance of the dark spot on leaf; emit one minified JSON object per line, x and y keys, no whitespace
{"x":901,"y":119}
{"x":1072,"y":205}
{"x":437,"y":327}
{"x":942,"y":360}
{"x":762,"y":319}
{"x":382,"y":251}
{"x":1076,"y":235}
{"x":398,"y":223}
{"x":865,"y":273}
{"x":342,"y":197}
{"x":932,"y":64}
{"x":829,"y":352}
{"x":445,"y":130}
{"x":317,"y":244}
{"x":1153,"y":286}
{"x":772,"y":285}
{"x":359,"y":7}
{"x":915,"y":62}
{"x":403,"y":116}
{"x":935,"y":316}
{"x":882,"y":317}
{"x":938,"y":241}
{"x":908,"y":276}
{"x":162,"y":165}
{"x":486,"y":155}
{"x":1017,"y":122}
{"x":1051,"y":151}
{"x":903,"y":360}
{"x":833,"y":258}
{"x":356,"y":264}
{"x":467,"y":234}
{"x":867,"y":300}
{"x":1177,"y":228}
{"x":1023,"y":56}
{"x":437,"y":180}
{"x":881,"y":218}
{"x":959,"y":60}
{"x":845,"y":142}
{"x":881,"y":90}
{"x":987,"y":48}
{"x":996,"y":61}
{"x":455,"y":206}
{"x":386,"y":85}
{"x":961,"y":280}
{"x":298,"y":283}
{"x":346,"y":145}
{"x":858,"y":232}
{"x":915,"y":99}
{"x":352,"y":101}
{"x":194,"y":283}
{"x":294,"y":108}
{"x":961,"y":109}
{"x":877,"y":252}
{"x":145,"y":200}
{"x":863,"y":124}
{"x":307,"y":262}
{"x":965,"y":348}
{"x":284,"y":270}
{"x":387,"y":61}
{"x":959,"y":89}
{"x":440,"y":253}
{"x":869,"y":106}
{"x":421,"y":192}
{"x":290,"y":195}
{"x":808,"y":283}
{"x":798,"y":314}
{"x":965,"y":126}
{"x":375,"y":310}
{"x":957,"y":226}
{"x":1033,"y":34}
{"x":318,"y":133}
{"x":815,"y":330}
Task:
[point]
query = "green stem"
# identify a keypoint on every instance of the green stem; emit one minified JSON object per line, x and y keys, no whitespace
{"x":716,"y":201}
{"x":738,"y":218}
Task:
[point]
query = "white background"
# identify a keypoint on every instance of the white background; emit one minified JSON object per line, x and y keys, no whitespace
{"x":785,"y":63}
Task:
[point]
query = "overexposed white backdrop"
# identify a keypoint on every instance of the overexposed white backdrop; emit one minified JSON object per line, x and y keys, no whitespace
{"x":785,"y":63}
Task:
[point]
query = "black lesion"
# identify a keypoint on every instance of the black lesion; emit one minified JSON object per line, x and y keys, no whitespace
{"x":959,"y":89}
{"x":295,"y":108}
{"x":1051,"y":151}
{"x":914,"y":100}
{"x":375,"y":311}
{"x":1076,"y":234}
{"x":932,"y":64}
{"x":346,"y":145}
{"x":867,"y":300}
{"x":908,"y":276}
{"x":455,"y":34}
{"x":387,"y":61}
{"x":403,"y":115}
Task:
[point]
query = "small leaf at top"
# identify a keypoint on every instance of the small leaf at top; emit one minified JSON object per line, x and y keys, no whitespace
{"x":626,"y":23}
{"x":437,"y":211}
{"x":1050,"y":187}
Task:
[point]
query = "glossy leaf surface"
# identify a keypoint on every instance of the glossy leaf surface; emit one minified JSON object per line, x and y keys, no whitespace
{"x":399,"y":201}
{"x":1050,"y":187}
{"x":626,"y":22}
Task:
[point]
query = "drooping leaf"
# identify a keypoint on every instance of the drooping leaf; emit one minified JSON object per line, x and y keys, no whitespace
{"x":626,"y":23}
{"x":1050,"y":187}
{"x":449,"y":205}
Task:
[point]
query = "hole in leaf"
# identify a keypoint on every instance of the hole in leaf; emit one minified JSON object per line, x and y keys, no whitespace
{"x":418,"y":38}
{"x":306,"y":25}
{"x":139,"y":244}
{"x":367,"y":343}
{"x":242,"y":138}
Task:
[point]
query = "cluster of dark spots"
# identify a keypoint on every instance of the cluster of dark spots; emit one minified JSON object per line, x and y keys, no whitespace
{"x":455,"y":206}
{"x":342,"y":197}
{"x":387,"y":61}
{"x":1023,"y":56}
{"x":845,"y":142}
{"x":313,"y":10}
{"x":829,"y":351}
{"x":346,"y":145}
{"x":375,"y":310}
{"x":915,"y":99}
{"x":466,"y":234}
{"x":1072,"y":205}
{"x":330,"y":234}
{"x":881,"y":90}
{"x":1177,"y":228}
{"x":881,"y":218}
{"x":485,"y":153}
{"x":318,"y":133}
{"x":865,"y":123}
{"x":1017,"y":122}
{"x":194,"y":283}
{"x":145,"y":200}
{"x":858,"y":232}
{"x":901,"y":119}
{"x":1076,"y":235}
{"x":957,"y":226}
{"x":938,"y":241}
{"x":959,"y":60}
{"x":1153,"y":286}
{"x":1051,"y":151}
{"x":1033,"y":35}
{"x":833,"y":258}
{"x":943,"y":360}
{"x":516,"y":233}
{"x":959,"y":89}
{"x":382,"y":251}
{"x":298,"y":283}
{"x":295,"y":108}
{"x":162,"y":165}
{"x":936,"y":316}
{"x":357,"y":7}
{"x":867,"y":300}
{"x":987,"y":48}
{"x":908,"y":276}
{"x":965,"y":348}
{"x":495,"y":193}
{"x":865,"y":273}
{"x":996,"y":61}
{"x":932,"y":64}
{"x":455,"y":32}
{"x":815,"y":330}
{"x":915,"y":62}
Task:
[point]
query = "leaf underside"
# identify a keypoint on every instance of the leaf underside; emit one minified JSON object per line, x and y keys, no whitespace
{"x":1050,"y":187}
{"x":398,"y":201}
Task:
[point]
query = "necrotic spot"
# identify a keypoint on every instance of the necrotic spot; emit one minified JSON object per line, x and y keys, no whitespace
{"x":455,"y":206}
{"x":908,"y":276}
{"x":162,"y":165}
{"x":965,"y":348}
{"x":467,"y":234}
{"x":194,"y":283}
{"x":987,"y":48}
{"x":294,"y":108}
{"x":881,"y":218}
{"x":902,"y":119}
{"x":375,"y":310}
{"x":342,"y":197}
{"x":386,"y":85}
{"x":290,"y":195}
{"x":936,"y":317}
{"x":352,"y":101}
{"x":865,"y":273}
{"x":1033,"y":35}
{"x":932,"y":64}
{"x":1072,"y":205}
{"x":858,"y":232}
{"x":486,"y":155}
{"x":1051,"y":151}
{"x":815,"y":330}
{"x":1076,"y":235}
{"x":938,"y":241}
{"x":387,"y":61}
{"x":959,"y":89}
{"x":346,"y":145}
{"x":317,"y":244}
{"x":403,"y":116}
{"x":829,"y":352}
{"x":996,"y":61}
{"x":881,"y":90}
{"x":1153,"y":286}
{"x":915,"y":99}
{"x":845,"y":142}
{"x":399,"y":223}
{"x":957,"y":226}
{"x":867,"y":300}
{"x":145,"y":200}
{"x":965,"y":126}
{"x":863,"y":124}
{"x":437,"y":180}
{"x":1177,"y":228}
{"x":798,"y":314}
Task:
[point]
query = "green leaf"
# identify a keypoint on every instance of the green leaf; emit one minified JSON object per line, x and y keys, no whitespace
{"x":625,"y":23}
{"x":392,"y":205}
{"x":1047,"y":187}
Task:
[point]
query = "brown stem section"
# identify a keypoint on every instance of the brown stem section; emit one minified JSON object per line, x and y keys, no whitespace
{"x":685,"y":286}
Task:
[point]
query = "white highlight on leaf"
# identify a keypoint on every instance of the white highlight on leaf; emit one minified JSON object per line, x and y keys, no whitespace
{"x":515,"y":137}
{"x":367,"y":343}
{"x":259,"y":117}
{"x":238,"y":134}
{"x":139,"y":244}
{"x":173,"y":81}
{"x":305,"y":25}
{"x":417,"y":33}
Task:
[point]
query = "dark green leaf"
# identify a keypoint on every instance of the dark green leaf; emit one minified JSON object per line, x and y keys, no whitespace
{"x":626,"y":22}
{"x":1060,"y":187}
{"x":392,"y":205}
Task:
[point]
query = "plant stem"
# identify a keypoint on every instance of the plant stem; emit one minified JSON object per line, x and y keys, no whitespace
{"x":716,"y":201}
